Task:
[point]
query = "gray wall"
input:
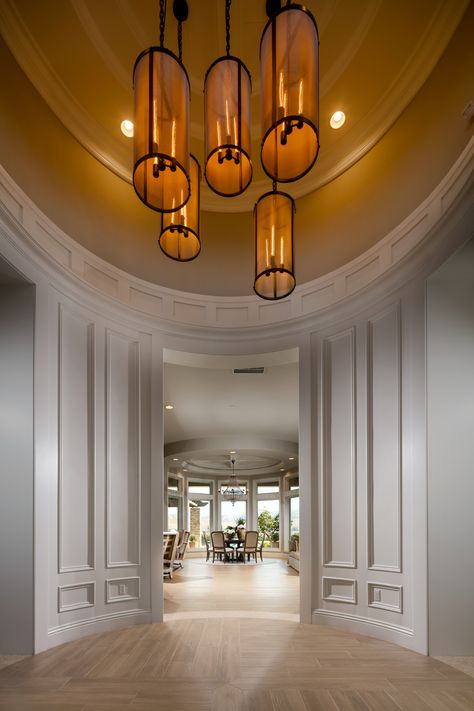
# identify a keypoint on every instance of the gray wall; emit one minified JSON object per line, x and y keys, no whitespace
{"x":17,"y":305}
{"x":450,"y":387}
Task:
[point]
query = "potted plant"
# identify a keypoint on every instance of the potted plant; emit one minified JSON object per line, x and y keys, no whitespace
{"x":192,"y":540}
{"x":229,"y":533}
{"x":240,"y":528}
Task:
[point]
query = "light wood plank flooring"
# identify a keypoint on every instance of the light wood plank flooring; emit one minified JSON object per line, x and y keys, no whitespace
{"x":222,"y":660}
{"x":268,"y":587}
{"x":232,"y":665}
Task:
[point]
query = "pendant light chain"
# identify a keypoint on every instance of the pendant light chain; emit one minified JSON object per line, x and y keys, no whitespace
{"x":180,"y":41}
{"x":227,"y":26}
{"x":162,"y":21}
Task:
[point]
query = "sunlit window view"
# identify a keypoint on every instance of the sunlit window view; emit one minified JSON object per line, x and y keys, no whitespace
{"x":268,"y":517}
{"x":295,"y":516}
{"x":231,"y":513}
{"x":173,"y":514}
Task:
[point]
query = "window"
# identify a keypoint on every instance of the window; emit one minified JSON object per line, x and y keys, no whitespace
{"x":295,"y":516}
{"x":294,"y":483}
{"x":230,"y":513}
{"x":195,"y":487}
{"x":268,"y":517}
{"x":268,"y":487}
{"x":173,"y":484}
{"x":173,"y":513}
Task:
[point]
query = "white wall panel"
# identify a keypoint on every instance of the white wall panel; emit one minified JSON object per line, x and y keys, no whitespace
{"x":339,"y":467}
{"x":123,"y":450}
{"x":76,"y":442}
{"x":384,"y":441}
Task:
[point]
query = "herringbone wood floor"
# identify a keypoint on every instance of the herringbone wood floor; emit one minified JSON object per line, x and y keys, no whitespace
{"x":232,"y":664}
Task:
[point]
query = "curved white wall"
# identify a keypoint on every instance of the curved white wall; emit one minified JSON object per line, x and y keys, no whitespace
{"x":98,"y":422}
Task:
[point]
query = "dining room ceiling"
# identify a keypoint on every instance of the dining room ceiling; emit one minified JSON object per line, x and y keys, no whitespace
{"x":216,"y":412}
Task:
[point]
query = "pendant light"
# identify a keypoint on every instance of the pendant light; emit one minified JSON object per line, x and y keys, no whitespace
{"x":234,"y":490}
{"x":289,"y":93}
{"x":161,"y":126}
{"x":227,"y":91}
{"x":274,"y":275}
{"x":179,"y":237}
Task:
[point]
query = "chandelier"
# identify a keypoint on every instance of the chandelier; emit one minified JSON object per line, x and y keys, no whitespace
{"x":167,"y":177}
{"x":234,"y":490}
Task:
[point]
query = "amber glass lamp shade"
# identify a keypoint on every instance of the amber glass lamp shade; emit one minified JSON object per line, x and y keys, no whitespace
{"x":161,"y":130}
{"x":289,"y":93}
{"x":227,"y":91}
{"x":179,"y":237}
{"x":273,"y":214}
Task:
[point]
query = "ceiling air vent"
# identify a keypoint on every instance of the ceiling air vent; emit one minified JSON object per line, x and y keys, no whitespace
{"x":239,"y":371}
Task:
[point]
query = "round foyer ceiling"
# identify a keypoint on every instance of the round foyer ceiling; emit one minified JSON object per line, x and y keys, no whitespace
{"x":374,"y":57}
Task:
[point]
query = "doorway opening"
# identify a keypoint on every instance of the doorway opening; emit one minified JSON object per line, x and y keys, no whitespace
{"x":226,"y":414}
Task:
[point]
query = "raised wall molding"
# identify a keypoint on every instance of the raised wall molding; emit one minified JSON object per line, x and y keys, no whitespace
{"x":390,"y":597}
{"x":339,"y":526}
{"x":384,"y":446}
{"x":76,"y":596}
{"x":123,"y":435}
{"x":42,"y":242}
{"x":76,"y":442}
{"x":122,"y":589}
{"x":339,"y":590}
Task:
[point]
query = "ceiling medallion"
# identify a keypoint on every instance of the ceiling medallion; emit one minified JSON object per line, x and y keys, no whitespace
{"x":166,"y":177}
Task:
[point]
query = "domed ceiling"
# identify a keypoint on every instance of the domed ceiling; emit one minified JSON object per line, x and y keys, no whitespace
{"x":374,"y":56}
{"x":384,"y":63}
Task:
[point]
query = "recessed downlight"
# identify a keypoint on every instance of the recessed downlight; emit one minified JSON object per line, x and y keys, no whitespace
{"x":282,"y":470}
{"x":233,"y":452}
{"x":291,"y":459}
{"x":169,"y":407}
{"x":337,"y":119}
{"x":127,"y":128}
{"x":175,"y":459}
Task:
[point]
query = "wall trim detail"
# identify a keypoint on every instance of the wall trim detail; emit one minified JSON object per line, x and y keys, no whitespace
{"x":327,"y":584}
{"x":371,"y":586}
{"x":91,"y":476}
{"x":328,"y":559}
{"x":89,"y":589}
{"x":110,"y":598}
{"x":134,"y":344}
{"x":397,"y":254}
{"x":113,"y":616}
{"x":371,"y":563}
{"x":364,"y":622}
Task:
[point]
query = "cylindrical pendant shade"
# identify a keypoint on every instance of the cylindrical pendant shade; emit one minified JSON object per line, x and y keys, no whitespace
{"x":274,"y":276}
{"x":289,"y":93}
{"x":179,"y":238}
{"x":161,"y":130}
{"x":227,"y":90}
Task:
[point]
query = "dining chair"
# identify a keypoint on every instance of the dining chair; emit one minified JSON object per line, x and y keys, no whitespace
{"x":260,"y":546}
{"x":170,"y":543}
{"x":208,"y":547}
{"x":181,"y":548}
{"x":250,"y":545}
{"x":219,"y":547}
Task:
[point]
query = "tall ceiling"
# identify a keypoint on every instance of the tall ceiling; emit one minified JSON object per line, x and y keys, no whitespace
{"x":374,"y":57}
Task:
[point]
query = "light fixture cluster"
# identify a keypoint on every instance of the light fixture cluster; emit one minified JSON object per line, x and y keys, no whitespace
{"x":234,"y":490}
{"x":166,"y":176}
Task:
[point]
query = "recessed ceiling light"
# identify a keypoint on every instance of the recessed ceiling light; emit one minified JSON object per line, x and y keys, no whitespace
{"x":232,"y":452}
{"x":282,"y":470}
{"x":169,"y":407}
{"x":175,"y":459}
{"x":291,"y":458}
{"x":337,"y":119}
{"x":127,"y":128}
{"x":185,"y":470}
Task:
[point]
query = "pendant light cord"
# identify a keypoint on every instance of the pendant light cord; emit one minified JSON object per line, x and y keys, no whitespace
{"x":162,"y":21}
{"x":227,"y":26}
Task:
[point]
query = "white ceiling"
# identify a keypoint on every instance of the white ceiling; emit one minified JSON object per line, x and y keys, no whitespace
{"x":216,"y":411}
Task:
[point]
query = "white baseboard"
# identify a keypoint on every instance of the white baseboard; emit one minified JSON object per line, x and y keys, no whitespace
{"x":404,"y":636}
{"x":93,"y":625}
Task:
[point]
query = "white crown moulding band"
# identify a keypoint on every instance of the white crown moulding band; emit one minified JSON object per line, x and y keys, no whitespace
{"x":27,"y":233}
